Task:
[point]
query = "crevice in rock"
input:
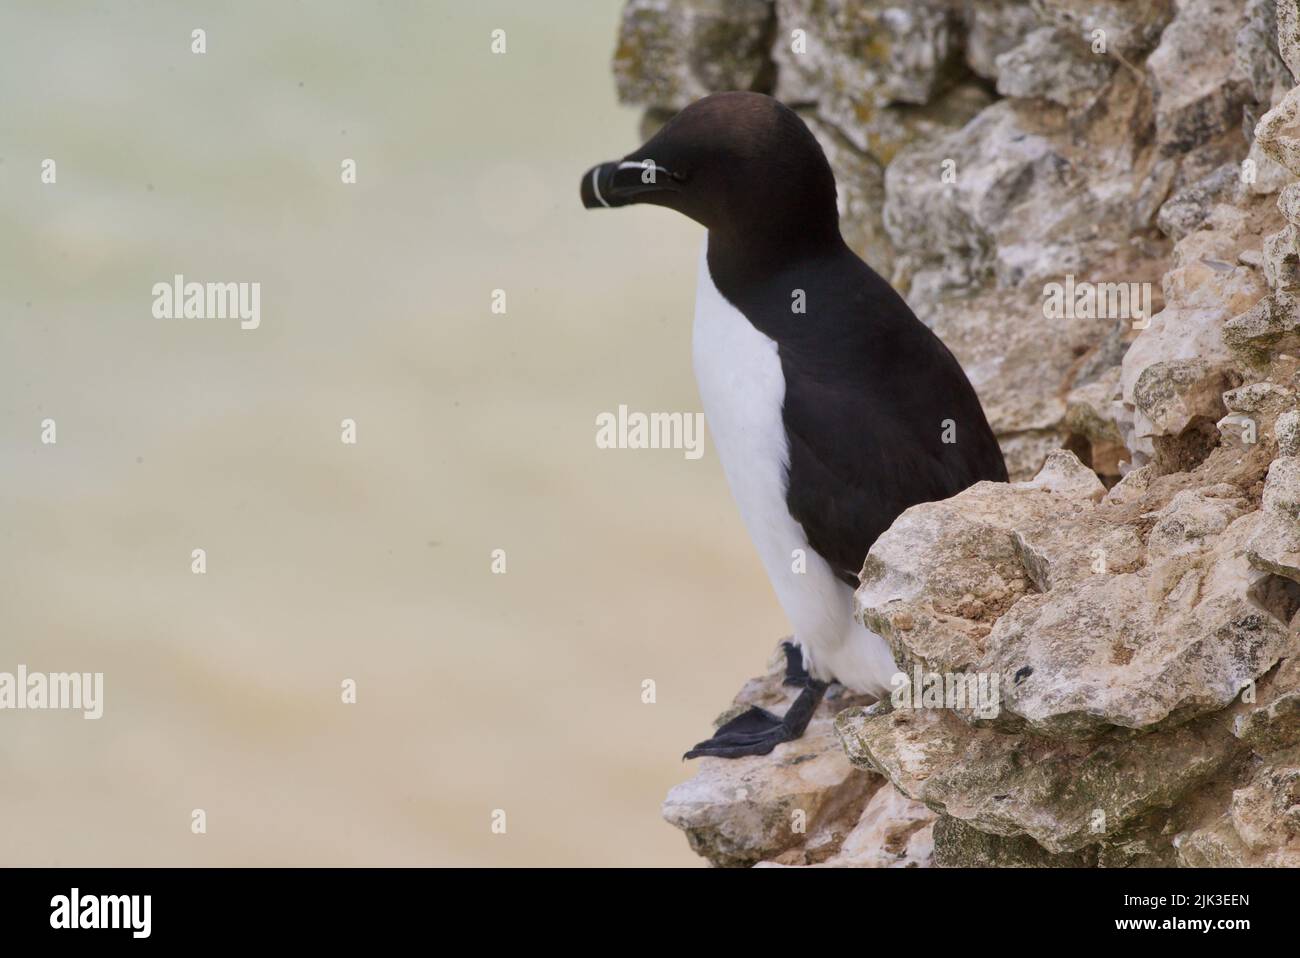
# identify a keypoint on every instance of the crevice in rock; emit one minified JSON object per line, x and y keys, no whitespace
{"x":1278,"y":596}
{"x":1107,"y":469}
{"x":1187,"y":450}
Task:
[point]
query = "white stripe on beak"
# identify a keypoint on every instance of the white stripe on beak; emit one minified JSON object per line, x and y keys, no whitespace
{"x":595,"y":186}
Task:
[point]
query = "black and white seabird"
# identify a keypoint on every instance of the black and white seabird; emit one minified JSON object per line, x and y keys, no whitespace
{"x":830,"y":419}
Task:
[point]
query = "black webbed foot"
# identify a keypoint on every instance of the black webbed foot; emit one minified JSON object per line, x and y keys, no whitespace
{"x":757,"y":731}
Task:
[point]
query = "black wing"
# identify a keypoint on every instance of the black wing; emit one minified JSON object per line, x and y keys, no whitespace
{"x":871,"y":395}
{"x":867,"y":435}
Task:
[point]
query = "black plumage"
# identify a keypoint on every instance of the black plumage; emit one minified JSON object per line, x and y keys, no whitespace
{"x":871,"y":394}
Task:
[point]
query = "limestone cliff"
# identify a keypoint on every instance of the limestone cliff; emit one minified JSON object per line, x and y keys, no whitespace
{"x":1133,"y":598}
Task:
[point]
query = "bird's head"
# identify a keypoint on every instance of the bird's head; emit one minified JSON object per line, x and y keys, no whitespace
{"x":740,"y":164}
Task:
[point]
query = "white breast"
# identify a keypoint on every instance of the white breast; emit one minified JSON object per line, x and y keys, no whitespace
{"x":742,"y":387}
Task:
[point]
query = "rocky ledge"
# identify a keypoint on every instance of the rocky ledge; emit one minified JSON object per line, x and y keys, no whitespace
{"x":1097,"y":206}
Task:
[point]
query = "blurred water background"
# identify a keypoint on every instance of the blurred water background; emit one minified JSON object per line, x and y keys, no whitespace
{"x":327,"y":561}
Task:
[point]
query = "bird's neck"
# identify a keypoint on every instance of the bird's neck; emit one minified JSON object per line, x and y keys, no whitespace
{"x":750,"y":260}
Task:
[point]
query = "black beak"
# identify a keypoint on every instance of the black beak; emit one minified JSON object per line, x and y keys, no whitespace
{"x":619,"y":182}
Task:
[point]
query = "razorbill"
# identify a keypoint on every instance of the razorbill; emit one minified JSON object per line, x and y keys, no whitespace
{"x":832,"y":407}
